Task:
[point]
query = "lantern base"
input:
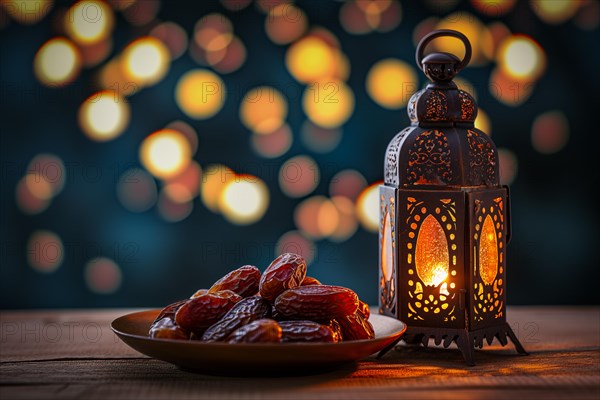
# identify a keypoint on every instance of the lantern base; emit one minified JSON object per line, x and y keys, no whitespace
{"x":466,"y":341}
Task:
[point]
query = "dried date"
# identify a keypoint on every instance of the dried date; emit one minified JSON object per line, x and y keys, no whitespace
{"x":199,"y":313}
{"x":166,"y":328}
{"x":356,"y":327}
{"x":243,"y":281}
{"x":199,"y":292}
{"x":306,"y":331}
{"x":259,"y":331}
{"x":317,"y":302}
{"x":285,"y":272}
{"x":244,"y":312}
{"x":309,"y":280}
{"x":363,"y":308}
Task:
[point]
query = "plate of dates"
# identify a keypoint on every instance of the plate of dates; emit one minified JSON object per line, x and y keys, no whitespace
{"x":279,"y":322}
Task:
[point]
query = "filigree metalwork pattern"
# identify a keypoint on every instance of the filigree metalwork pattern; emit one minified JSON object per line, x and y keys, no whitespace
{"x":482,"y":159}
{"x":436,"y":106}
{"x":429,"y":159}
{"x":391,"y":160}
{"x":467,"y":106}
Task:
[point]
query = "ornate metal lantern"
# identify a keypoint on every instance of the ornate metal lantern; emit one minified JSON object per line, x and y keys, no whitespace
{"x":444,"y":217}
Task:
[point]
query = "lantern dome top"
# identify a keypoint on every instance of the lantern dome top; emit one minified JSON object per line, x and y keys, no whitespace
{"x":442,"y":145}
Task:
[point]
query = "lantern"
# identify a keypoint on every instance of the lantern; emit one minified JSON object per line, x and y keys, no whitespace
{"x":444,"y":217}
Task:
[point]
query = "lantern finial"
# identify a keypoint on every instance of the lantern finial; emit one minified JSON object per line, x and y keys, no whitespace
{"x":439,"y":66}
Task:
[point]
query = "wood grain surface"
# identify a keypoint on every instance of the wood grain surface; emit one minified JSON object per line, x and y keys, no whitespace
{"x":70,"y":354}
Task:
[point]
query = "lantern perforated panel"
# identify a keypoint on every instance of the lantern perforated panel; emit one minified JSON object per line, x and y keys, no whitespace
{"x":388,"y":259}
{"x":488,"y":231}
{"x":430,"y":257}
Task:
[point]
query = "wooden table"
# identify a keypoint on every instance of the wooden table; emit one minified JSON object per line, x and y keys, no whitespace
{"x":74,"y":354}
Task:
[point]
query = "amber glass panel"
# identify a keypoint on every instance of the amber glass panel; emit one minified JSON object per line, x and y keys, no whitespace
{"x":432,"y":260}
{"x":387,"y":261}
{"x":488,"y":252}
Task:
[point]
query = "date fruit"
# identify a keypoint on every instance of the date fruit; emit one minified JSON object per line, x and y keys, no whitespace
{"x":317,"y":302}
{"x":242,"y":313}
{"x":243,"y":281}
{"x":199,"y":313}
{"x":166,"y":328}
{"x":198,"y":293}
{"x":363,"y":308}
{"x":356,"y":327}
{"x":306,"y":331}
{"x":259,"y":331}
{"x":309,"y":280}
{"x":169,"y":311}
{"x":285,"y":272}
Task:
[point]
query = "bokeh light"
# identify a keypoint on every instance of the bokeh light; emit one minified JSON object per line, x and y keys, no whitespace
{"x":185,"y":186}
{"x":319,"y":139}
{"x":57,"y":62}
{"x":285,"y":23}
{"x":273,"y":145}
{"x":509,"y":90}
{"x":146,"y":61}
{"x":555,"y":11}
{"x":297,"y":243}
{"x":173,"y":36}
{"x":308,"y":213}
{"x":136,"y":190}
{"x":347,"y":222}
{"x":229,"y":59}
{"x":391,"y":83}
{"x":367,"y":207}
{"x":188,"y":131}
{"x":521,"y":57}
{"x":328,"y":103}
{"x":27,"y":201}
{"x":483,"y":123}
{"x":27,"y":11}
{"x":493,"y":8}
{"x":213,"y":32}
{"x":299,"y":176}
{"x":244,"y":200}
{"x":104,"y":116}
{"x":171,"y":210}
{"x":235,"y":5}
{"x":266,"y":5}
{"x":348,"y":183}
{"x":102,"y":275}
{"x":310,"y":59}
{"x":588,"y":16}
{"x":550,"y":132}
{"x":50,"y":169}
{"x":141,"y":12}
{"x":89,"y":21}
{"x":363,"y":16}
{"x":45,"y":251}
{"x":95,"y":53}
{"x":165,"y":153}
{"x":508,"y":163}
{"x":353,"y":19}
{"x":200,"y":94}
{"x":263,"y":109}
{"x":214,"y":180}
{"x":38,"y":186}
{"x":480,"y":37}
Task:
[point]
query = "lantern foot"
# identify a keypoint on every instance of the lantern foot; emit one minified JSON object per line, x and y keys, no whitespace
{"x":465,"y":340}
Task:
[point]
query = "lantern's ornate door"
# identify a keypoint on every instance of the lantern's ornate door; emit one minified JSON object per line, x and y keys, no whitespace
{"x":430,"y":253}
{"x":488,"y":235}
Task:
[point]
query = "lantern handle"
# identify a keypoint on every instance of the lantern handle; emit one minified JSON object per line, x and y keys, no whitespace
{"x":440,"y":33}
